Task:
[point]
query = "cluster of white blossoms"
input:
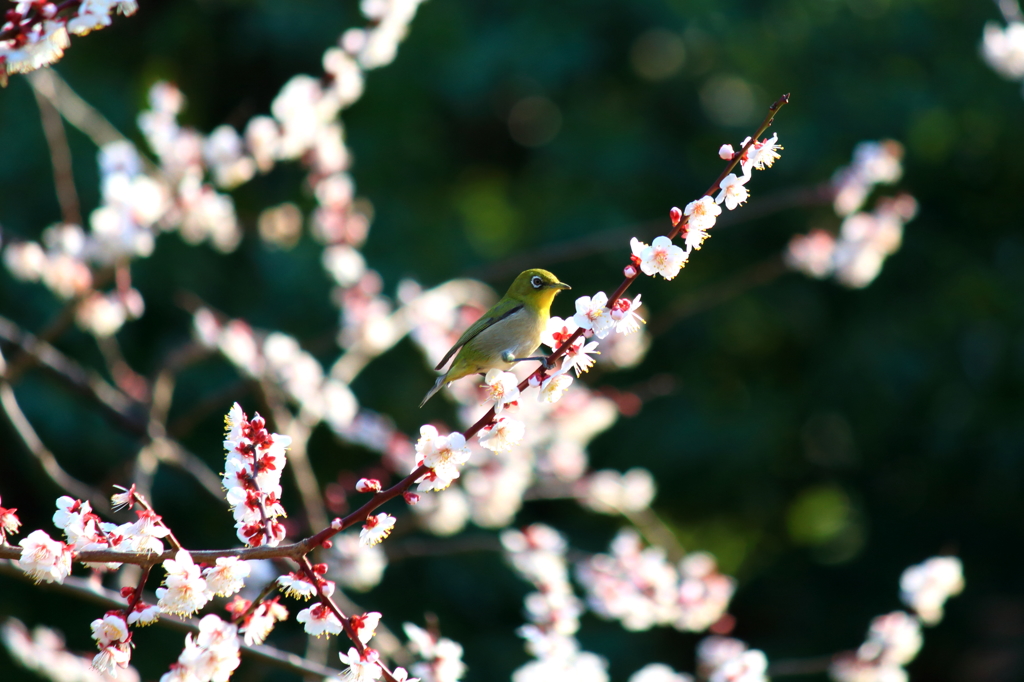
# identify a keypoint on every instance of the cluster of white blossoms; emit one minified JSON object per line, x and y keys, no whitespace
{"x":35,"y":34}
{"x":252,"y":477}
{"x":440,"y":657}
{"x":1003,"y":49}
{"x":257,"y":624}
{"x":537,"y":553}
{"x":866,"y":238}
{"x":62,"y":263}
{"x":726,"y":659}
{"x":44,"y":652}
{"x":187,"y":588}
{"x":46,"y":559}
{"x":9,"y":523}
{"x":641,"y":588}
{"x":661,"y":256}
{"x":894,"y":639}
{"x":609,"y":492}
{"x":280,"y":360}
{"x":114,"y":641}
{"x":925,"y":587}
{"x":210,"y":656}
{"x":443,"y":454}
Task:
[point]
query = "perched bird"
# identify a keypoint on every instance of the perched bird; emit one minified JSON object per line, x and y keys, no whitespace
{"x":507,"y":333}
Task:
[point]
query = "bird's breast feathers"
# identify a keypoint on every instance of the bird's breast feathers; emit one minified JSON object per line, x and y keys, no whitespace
{"x":519,"y":334}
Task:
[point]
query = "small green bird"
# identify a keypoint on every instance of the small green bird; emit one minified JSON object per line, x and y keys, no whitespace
{"x":507,"y":333}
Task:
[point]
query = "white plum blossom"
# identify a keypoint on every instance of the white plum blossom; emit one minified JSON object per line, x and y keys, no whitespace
{"x":443,"y":454}
{"x":703,"y":214}
{"x":762,"y":154}
{"x":660,"y":257}
{"x":360,"y":669}
{"x":376,"y":529}
{"x":624,"y":313}
{"x":503,"y":434}
{"x":144,"y":614}
{"x":365,"y":626}
{"x":296,"y":586}
{"x":552,"y":388}
{"x":110,"y":629}
{"x":184,"y":591}
{"x":734,"y":192}
{"x":227,"y":577}
{"x":578,"y":354}
{"x":212,"y":655}
{"x":501,"y":388}
{"x":319,"y":620}
{"x":592,"y":313}
{"x":44,"y":559}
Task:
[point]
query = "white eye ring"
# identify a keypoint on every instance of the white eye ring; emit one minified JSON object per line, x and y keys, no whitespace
{"x":536,"y":282}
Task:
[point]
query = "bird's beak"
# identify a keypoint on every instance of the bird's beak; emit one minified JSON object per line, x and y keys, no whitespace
{"x":560,"y":285}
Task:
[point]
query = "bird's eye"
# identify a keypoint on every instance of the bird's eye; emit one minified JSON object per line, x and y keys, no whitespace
{"x":536,"y":282}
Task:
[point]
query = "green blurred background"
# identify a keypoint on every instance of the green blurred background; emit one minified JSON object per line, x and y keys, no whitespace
{"x":817,"y":440}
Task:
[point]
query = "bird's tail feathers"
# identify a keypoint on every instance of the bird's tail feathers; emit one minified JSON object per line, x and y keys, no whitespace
{"x":437,"y":387}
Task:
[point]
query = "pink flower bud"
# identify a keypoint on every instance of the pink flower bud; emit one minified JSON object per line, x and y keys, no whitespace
{"x":629,"y":271}
{"x":368,"y":485}
{"x":411,"y":498}
{"x":726,"y":152}
{"x":675,"y":214}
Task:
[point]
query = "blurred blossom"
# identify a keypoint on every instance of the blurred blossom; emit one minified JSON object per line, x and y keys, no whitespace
{"x":223,"y":153}
{"x":262,"y":137}
{"x":657,"y":54}
{"x":443,"y":513}
{"x":874,"y":163}
{"x":378,"y":45}
{"x":724,"y":659}
{"x":281,"y":225}
{"x":355,"y":565}
{"x":43,"y":652}
{"x":610,"y":492}
{"x":344,"y":264}
{"x":537,"y":553}
{"x":102,"y":315}
{"x":441,"y":657}
{"x":926,"y":586}
{"x":865,"y":240}
{"x":659,"y":672}
{"x":642,"y":589}
{"x":715,"y":651}
{"x":1003,"y":49}
{"x":893,"y":641}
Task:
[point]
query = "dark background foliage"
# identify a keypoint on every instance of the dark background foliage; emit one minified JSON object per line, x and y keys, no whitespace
{"x":817,"y":440}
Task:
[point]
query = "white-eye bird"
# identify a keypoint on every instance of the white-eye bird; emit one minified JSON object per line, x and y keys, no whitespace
{"x":507,"y":333}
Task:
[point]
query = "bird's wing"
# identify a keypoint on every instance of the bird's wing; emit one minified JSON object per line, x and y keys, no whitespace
{"x":490,"y":318}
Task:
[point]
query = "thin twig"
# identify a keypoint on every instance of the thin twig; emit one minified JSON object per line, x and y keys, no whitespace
{"x":116,"y":405}
{"x":108,"y":599}
{"x":60,"y":159}
{"x":34,"y":444}
{"x":608,"y":240}
{"x":73,"y":108}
